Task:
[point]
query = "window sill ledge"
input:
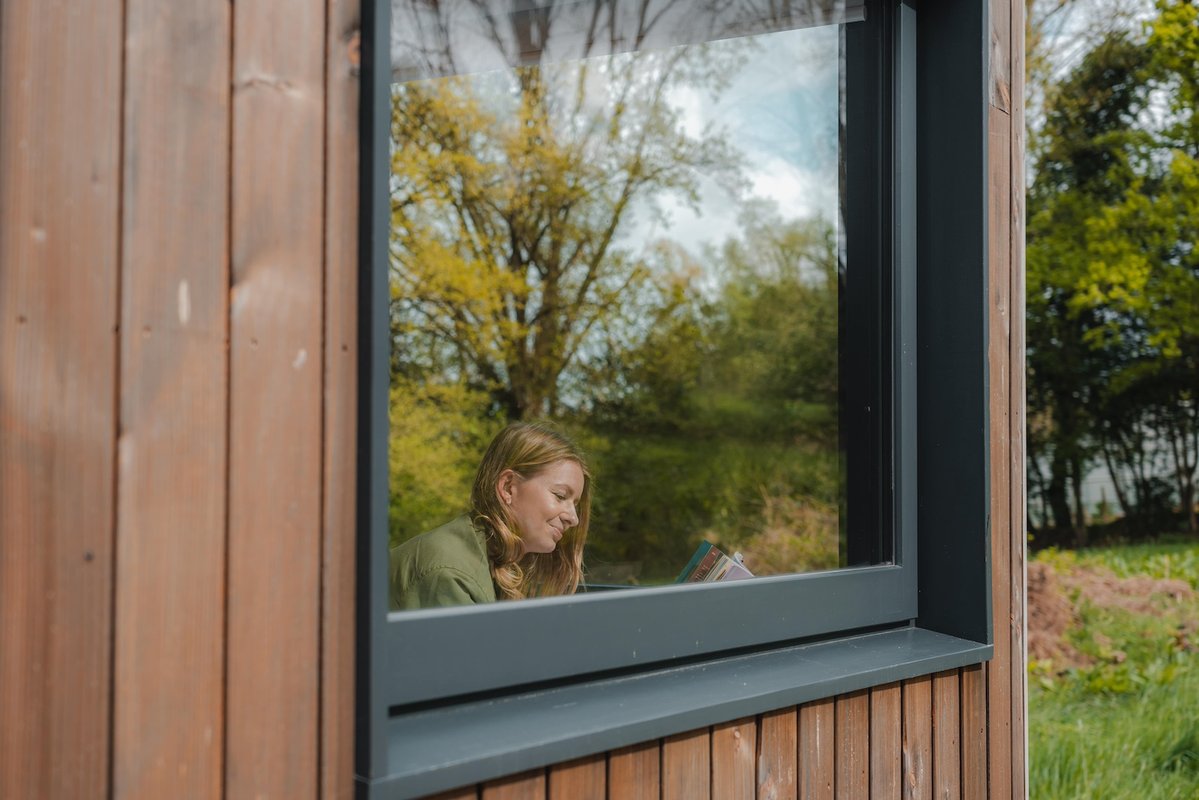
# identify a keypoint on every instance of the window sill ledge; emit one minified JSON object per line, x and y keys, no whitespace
{"x":433,"y":750}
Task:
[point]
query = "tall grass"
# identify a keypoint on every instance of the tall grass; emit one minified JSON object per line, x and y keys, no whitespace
{"x":1140,"y":746}
{"x":1128,"y":725}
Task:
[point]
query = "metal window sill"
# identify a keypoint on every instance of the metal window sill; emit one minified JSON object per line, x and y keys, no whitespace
{"x":442,"y":748}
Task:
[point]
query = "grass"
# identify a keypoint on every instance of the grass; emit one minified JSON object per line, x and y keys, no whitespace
{"x":1127,"y":725}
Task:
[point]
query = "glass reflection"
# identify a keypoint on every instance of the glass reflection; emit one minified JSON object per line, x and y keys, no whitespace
{"x":603,"y":221}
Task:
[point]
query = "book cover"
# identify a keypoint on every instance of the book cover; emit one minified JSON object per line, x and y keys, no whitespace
{"x":709,"y":564}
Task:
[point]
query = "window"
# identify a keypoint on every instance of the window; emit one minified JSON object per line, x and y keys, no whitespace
{"x":909,"y":239}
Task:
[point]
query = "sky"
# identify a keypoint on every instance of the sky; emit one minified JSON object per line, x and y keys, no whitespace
{"x":780,"y":111}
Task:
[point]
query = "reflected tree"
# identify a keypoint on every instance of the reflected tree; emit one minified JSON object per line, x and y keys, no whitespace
{"x":510,"y":194}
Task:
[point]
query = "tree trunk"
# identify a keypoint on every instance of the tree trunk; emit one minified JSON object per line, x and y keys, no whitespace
{"x":1059,"y":503}
{"x":1080,"y":513}
{"x":1121,"y":498}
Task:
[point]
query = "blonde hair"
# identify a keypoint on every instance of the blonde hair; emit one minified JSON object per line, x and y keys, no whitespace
{"x":527,"y":448}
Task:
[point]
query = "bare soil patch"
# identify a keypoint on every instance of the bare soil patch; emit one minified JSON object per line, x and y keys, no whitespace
{"x":1052,"y":611}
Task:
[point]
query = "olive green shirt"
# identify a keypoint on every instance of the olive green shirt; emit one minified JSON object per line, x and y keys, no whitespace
{"x":446,"y":566}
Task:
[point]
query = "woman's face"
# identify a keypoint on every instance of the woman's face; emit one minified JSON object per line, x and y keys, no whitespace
{"x":543,"y":506}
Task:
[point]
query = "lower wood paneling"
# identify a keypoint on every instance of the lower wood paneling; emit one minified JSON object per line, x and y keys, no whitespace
{"x":634,"y":773}
{"x":687,"y":766}
{"x":973,"y":711}
{"x":817,"y":750}
{"x":582,"y":779}
{"x":947,"y":770}
{"x":778,"y":752}
{"x":886,"y":742}
{"x":525,"y":786}
{"x":852,"y":778}
{"x":733,"y":747}
{"x":918,"y":739}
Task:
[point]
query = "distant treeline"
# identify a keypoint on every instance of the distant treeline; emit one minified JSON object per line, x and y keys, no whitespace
{"x":1113,"y":280}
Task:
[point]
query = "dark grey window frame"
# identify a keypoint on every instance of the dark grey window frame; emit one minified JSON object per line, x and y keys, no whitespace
{"x":429,"y":708}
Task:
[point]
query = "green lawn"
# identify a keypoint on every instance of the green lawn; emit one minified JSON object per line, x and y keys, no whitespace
{"x":1124,"y":722}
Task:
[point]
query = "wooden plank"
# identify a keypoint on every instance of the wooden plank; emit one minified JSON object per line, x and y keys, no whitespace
{"x":886,"y":742}
{"x":1016,"y":460}
{"x":687,"y":766}
{"x":947,"y":773}
{"x":853,"y":746}
{"x":170,"y":574}
{"x":973,"y":712}
{"x":1000,"y":55}
{"x":778,"y":753}
{"x":634,"y":772}
{"x":340,"y":401}
{"x":999,"y":677}
{"x":733,"y":748}
{"x":466,"y":793}
{"x":275,"y":405}
{"x":60,"y":64}
{"x":525,"y":786}
{"x":817,"y":748}
{"x":918,"y":739}
{"x":581,"y":779}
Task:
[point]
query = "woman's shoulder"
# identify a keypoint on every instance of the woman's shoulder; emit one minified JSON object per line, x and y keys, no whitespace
{"x":451,"y":555}
{"x":455,"y":539}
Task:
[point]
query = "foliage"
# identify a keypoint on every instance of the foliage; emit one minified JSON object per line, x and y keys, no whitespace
{"x":436,"y":437}
{"x":510,"y":194}
{"x":1113,"y":277}
{"x":1125,"y":726}
{"x":702,"y":384}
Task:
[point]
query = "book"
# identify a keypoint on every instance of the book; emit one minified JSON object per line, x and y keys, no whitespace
{"x":709,"y":564}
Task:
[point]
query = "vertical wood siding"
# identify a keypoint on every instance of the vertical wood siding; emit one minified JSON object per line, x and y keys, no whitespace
{"x":178,"y":261}
{"x":275,"y":443}
{"x":178,"y":250}
{"x":59,"y":279}
{"x":172,"y":457}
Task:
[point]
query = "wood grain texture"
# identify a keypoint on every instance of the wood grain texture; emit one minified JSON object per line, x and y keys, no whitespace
{"x":525,"y":786}
{"x":918,"y":739}
{"x":853,"y":746}
{"x":778,"y":754}
{"x":947,"y":772}
{"x":275,"y":403}
{"x":466,"y":793}
{"x":817,"y":750}
{"x":1018,"y":417}
{"x":734,"y":745}
{"x":60,"y":64}
{"x":687,"y":766}
{"x":581,"y":779}
{"x":1000,"y":57}
{"x":342,"y":90}
{"x":170,"y":573}
{"x":886,"y":742}
{"x":999,"y":677}
{"x":634,"y":772}
{"x":973,"y":712}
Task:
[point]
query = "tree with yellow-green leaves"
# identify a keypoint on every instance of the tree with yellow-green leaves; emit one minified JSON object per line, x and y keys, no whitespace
{"x":1113,"y":273}
{"x":510,"y":196}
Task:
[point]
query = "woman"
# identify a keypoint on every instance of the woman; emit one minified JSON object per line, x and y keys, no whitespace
{"x":523,"y":537}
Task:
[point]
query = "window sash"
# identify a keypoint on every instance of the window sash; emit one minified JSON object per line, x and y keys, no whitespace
{"x":421,"y":657}
{"x":441,"y":653}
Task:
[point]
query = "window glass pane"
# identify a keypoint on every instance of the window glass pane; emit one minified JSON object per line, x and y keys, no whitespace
{"x":624,"y":221}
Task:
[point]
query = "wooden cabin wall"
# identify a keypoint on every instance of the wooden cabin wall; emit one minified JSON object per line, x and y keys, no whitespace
{"x":178,"y":234}
{"x":178,"y":267}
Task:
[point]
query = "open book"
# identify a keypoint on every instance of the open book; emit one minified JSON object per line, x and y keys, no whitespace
{"x":709,"y":564}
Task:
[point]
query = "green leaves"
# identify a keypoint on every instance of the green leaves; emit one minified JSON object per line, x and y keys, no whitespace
{"x":1113,"y":271}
